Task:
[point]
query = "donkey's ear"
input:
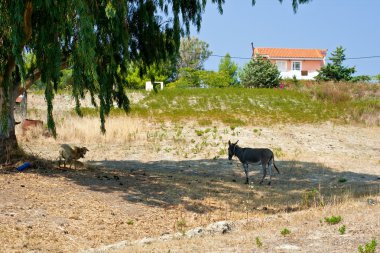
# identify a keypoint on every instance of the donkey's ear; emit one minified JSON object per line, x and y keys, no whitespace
{"x":236,"y":142}
{"x":229,"y":142}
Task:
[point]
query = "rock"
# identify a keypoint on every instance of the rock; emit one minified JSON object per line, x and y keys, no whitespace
{"x":146,"y":240}
{"x":288,"y":247}
{"x":194,"y":232}
{"x":220,"y":227}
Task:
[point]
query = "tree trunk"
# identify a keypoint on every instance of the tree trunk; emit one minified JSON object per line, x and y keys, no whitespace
{"x":8,"y":141}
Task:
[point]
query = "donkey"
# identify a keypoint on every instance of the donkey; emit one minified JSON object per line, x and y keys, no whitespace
{"x":263,"y":156}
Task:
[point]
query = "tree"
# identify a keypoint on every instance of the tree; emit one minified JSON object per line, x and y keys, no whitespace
{"x":136,"y":79}
{"x":193,"y":52}
{"x":360,"y":79}
{"x":335,"y":71}
{"x":260,"y":73}
{"x":95,"y":38}
{"x":228,"y":68}
{"x":377,"y":77}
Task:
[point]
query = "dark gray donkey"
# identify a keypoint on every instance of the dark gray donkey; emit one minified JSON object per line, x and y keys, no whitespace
{"x":263,"y":156}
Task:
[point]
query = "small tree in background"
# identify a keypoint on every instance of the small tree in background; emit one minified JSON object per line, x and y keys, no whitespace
{"x":193,"y":52}
{"x":377,"y":77}
{"x":260,"y":73}
{"x":229,"y":69}
{"x":335,"y":71}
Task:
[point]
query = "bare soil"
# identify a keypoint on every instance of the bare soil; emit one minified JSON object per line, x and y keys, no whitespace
{"x":168,"y":178}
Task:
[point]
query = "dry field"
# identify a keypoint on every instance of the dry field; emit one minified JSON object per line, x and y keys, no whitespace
{"x":145,"y":186}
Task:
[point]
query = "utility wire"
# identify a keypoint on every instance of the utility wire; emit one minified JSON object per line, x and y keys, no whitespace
{"x":347,"y":58}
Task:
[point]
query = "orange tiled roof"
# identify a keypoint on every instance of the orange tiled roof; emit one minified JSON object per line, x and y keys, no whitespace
{"x":291,"y":52}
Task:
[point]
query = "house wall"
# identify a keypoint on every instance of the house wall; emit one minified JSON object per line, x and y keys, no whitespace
{"x":309,"y":65}
{"x":312,"y":66}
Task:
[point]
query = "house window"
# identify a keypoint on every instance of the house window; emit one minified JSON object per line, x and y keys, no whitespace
{"x":296,"y":65}
{"x":281,"y":65}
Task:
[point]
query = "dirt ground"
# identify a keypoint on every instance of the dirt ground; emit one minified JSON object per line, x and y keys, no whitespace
{"x":145,"y":194}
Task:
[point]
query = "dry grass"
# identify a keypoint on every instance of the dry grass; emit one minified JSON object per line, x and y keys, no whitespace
{"x":147,"y":178}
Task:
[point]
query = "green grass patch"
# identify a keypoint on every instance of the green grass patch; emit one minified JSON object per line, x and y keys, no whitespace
{"x":342,"y":229}
{"x":285,"y":232}
{"x":259,"y":243}
{"x":333,"y":220}
{"x":242,"y":106}
{"x":342,"y":180}
{"x":368,"y":247}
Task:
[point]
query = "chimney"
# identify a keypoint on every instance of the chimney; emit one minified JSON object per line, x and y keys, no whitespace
{"x":253,"y":50}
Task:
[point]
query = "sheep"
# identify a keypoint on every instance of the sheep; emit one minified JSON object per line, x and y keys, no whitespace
{"x":71,"y":155}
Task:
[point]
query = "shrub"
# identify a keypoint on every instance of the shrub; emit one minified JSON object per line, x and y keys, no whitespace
{"x":258,"y":242}
{"x":285,"y":232}
{"x":333,"y":220}
{"x":368,"y":247}
{"x":342,"y":229}
{"x":260,"y":73}
{"x":342,"y":180}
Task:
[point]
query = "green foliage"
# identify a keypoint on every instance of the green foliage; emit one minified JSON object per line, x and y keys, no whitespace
{"x":285,"y":232}
{"x":181,"y":225}
{"x":259,"y":243}
{"x":333,"y":220}
{"x":193,"y":52}
{"x":188,"y":78}
{"x":312,"y":197}
{"x":214,"y":79}
{"x":255,"y":106}
{"x":228,"y":69}
{"x":362,"y":78}
{"x":342,"y":229}
{"x":137,"y":75}
{"x":260,"y":73}
{"x":335,"y":71}
{"x":368,"y":247}
{"x":342,"y":180}
{"x":377,"y":77}
{"x":200,"y":78}
{"x":96,"y":39}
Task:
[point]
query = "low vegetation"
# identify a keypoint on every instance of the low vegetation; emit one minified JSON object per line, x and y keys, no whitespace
{"x":240,"y":106}
{"x":368,"y":247}
{"x":285,"y":232}
{"x":333,"y":220}
{"x":342,"y":229}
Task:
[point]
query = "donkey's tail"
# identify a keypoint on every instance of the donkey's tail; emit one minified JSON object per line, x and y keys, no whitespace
{"x":275,"y":165}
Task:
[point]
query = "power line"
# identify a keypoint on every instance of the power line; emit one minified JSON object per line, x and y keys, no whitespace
{"x":347,"y":58}
{"x":233,"y":57}
{"x":363,"y":57}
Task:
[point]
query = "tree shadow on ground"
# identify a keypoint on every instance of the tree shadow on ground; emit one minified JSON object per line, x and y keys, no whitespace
{"x":204,"y":185}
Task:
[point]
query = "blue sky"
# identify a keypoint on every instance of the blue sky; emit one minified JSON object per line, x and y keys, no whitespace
{"x":325,"y":24}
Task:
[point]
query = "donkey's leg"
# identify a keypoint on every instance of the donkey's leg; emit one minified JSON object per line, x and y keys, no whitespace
{"x":264,"y":165}
{"x":245,"y":166}
{"x":270,"y":171}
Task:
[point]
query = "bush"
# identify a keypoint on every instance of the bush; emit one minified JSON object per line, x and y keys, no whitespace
{"x":333,"y":220}
{"x":200,"y":78}
{"x":260,"y":73}
{"x":285,"y":232}
{"x":368,"y":247}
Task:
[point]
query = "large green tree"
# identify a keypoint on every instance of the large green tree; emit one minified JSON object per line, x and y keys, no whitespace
{"x":335,"y":71}
{"x":96,"y":38}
